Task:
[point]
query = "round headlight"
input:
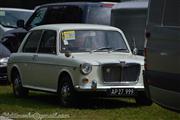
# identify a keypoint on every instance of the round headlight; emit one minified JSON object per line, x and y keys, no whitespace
{"x":3,"y":61}
{"x":86,"y":68}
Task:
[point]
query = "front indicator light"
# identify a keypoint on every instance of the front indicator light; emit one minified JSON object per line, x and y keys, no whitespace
{"x":85,"y":80}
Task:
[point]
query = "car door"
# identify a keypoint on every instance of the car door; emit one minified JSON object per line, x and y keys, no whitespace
{"x":46,"y":68}
{"x":28,"y":57}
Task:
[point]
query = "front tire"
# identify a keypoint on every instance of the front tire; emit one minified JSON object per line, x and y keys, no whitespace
{"x":18,"y":89}
{"x":66,"y":91}
{"x":142,"y":99}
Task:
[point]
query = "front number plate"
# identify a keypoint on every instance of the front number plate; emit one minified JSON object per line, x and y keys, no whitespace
{"x":122,"y":92}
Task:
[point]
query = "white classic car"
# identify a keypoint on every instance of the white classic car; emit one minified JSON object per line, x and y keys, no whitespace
{"x":72,"y":58}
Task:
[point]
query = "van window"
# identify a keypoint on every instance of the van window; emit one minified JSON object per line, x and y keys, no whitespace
{"x":63,"y":14}
{"x":172,"y":13}
{"x":99,"y":15}
{"x":155,"y":11}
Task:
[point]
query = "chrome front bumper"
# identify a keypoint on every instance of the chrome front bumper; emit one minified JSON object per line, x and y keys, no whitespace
{"x":3,"y":74}
{"x":105,"y":88}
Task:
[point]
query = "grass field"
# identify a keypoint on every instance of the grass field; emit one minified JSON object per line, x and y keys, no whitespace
{"x":90,"y":109}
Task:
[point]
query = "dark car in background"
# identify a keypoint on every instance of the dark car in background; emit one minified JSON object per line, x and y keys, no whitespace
{"x":9,"y":17}
{"x":130,"y":16}
{"x":162,"y":53}
{"x":4,"y":56}
{"x":70,"y":12}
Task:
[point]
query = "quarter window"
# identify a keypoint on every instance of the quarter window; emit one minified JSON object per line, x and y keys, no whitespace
{"x":32,"y":42}
{"x":48,"y":42}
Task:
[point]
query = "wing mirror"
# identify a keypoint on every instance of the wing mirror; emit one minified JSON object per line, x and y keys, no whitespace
{"x":135,"y":51}
{"x":67,"y":53}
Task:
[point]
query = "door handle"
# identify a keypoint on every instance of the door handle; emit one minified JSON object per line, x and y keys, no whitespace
{"x":34,"y":57}
{"x":147,"y":34}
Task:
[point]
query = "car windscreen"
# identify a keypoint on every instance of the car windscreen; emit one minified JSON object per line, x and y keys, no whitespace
{"x":8,"y":18}
{"x":92,"y":40}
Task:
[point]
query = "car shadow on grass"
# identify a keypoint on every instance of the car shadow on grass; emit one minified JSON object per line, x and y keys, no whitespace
{"x":44,"y":100}
{"x":106,"y":103}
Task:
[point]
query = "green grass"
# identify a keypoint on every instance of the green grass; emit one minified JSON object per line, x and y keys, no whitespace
{"x":90,"y":109}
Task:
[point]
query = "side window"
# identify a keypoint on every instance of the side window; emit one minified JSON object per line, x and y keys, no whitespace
{"x":32,"y":42}
{"x":37,"y":18}
{"x":63,"y":14}
{"x":172,"y":13}
{"x":48,"y":42}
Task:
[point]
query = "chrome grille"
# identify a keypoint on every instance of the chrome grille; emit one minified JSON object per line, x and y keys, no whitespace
{"x":128,"y":72}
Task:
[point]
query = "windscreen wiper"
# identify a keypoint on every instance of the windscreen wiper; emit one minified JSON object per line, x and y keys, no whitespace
{"x":102,"y":48}
{"x":119,"y":49}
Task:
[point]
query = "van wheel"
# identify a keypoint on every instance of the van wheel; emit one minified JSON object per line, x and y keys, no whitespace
{"x":142,"y":99}
{"x":18,"y":90}
{"x":66,"y":91}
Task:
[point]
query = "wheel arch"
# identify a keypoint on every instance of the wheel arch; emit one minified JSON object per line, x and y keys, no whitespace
{"x":12,"y":71}
{"x":63,"y":74}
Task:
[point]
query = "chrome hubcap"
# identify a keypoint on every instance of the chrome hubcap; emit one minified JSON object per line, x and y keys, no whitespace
{"x":16,"y":85}
{"x":65,"y":93}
